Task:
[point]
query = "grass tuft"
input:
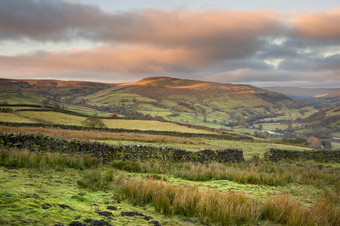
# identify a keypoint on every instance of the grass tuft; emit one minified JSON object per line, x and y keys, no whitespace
{"x":210,"y":206}
{"x":29,"y":159}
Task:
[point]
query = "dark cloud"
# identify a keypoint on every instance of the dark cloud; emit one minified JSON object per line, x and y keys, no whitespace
{"x":232,"y":46}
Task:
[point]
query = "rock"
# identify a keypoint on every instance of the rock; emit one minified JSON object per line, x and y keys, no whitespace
{"x":147,"y":218}
{"x":99,"y":223}
{"x":63,"y":206}
{"x":131,"y":214}
{"x":112,"y":208}
{"x":76,"y":223}
{"x":88,"y":220}
{"x":155,"y":223}
{"x":33,"y":196}
{"x":46,"y":205}
{"x":58,"y":225}
{"x":105,"y":213}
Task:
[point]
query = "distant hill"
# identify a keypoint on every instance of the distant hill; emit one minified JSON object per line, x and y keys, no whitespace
{"x":318,"y":97}
{"x":181,"y":100}
{"x":302,"y":93}
{"x":51,"y":88}
{"x":325,"y":121}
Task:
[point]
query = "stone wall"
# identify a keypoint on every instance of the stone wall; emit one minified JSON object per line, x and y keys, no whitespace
{"x":317,"y":155}
{"x":112,"y":152}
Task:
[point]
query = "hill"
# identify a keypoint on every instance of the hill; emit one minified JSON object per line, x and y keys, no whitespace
{"x":327,"y":121}
{"x":318,"y":97}
{"x":190,"y":101}
{"x":182,"y":100}
{"x":51,"y":88}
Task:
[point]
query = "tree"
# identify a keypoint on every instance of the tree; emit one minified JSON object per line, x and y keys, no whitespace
{"x":113,"y":115}
{"x":314,"y":142}
{"x":93,"y":121}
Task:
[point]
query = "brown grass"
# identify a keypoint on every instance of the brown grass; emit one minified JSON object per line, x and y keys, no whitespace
{"x":210,"y":206}
{"x":228,"y":208}
{"x":93,"y":135}
{"x":282,"y":209}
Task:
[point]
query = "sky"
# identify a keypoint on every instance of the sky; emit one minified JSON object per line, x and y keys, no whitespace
{"x":258,"y":42}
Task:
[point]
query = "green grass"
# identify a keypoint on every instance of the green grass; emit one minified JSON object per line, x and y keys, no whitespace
{"x":86,"y":110}
{"x":272,"y":174}
{"x":19,"y":206}
{"x":10,"y":117}
{"x":229,"y":208}
{"x":336,"y":145}
{"x":149,"y":125}
{"x":24,"y":191}
{"x":28,"y":159}
{"x":55,"y":117}
{"x":15,"y":98}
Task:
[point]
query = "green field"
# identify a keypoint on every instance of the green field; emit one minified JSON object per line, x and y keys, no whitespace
{"x":86,"y":110}
{"x":149,"y":125}
{"x":55,"y":117}
{"x":50,"y":188}
{"x":14,"y":98}
{"x":53,"y":189}
{"x":11,"y":117}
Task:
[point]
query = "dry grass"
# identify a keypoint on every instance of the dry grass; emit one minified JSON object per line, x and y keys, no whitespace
{"x":151,"y":125}
{"x":282,"y":209}
{"x":273,"y":174}
{"x":210,"y":206}
{"x":29,"y":159}
{"x":99,"y":135}
{"x":229,"y":208}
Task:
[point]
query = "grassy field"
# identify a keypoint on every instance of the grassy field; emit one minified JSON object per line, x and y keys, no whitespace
{"x":55,"y":117}
{"x":86,"y":110}
{"x":48,"y":189}
{"x":149,"y":125}
{"x":11,"y":117}
{"x":257,"y":147}
{"x":14,"y":98}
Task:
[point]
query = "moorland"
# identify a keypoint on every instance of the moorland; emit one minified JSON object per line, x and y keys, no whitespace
{"x":166,"y":151}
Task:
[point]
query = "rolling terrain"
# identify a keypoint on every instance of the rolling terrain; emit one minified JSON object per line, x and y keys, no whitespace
{"x":242,"y":108}
{"x":58,"y":169}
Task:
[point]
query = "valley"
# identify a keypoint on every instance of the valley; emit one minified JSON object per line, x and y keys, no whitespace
{"x":165,"y":151}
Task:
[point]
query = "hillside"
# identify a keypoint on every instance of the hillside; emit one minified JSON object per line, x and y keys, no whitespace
{"x":51,"y":88}
{"x":190,"y":101}
{"x":181,"y":100}
{"x":318,"y":97}
{"x":327,"y":121}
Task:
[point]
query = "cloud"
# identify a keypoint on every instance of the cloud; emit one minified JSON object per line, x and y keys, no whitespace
{"x":126,"y":59}
{"x":320,"y":26}
{"x":237,"y":46}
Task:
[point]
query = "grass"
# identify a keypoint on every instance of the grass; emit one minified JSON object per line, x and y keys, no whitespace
{"x":209,"y":206}
{"x":87,"y":191}
{"x":97,"y":180}
{"x":229,"y":208}
{"x":282,"y":209}
{"x":150,"y":125}
{"x":272,"y":174}
{"x":10,"y":117}
{"x":24,"y":191}
{"x":86,"y":110}
{"x":55,"y":117}
{"x":191,"y":144}
{"x":28,"y":159}
{"x":103,"y":136}
{"x":15,"y":98}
